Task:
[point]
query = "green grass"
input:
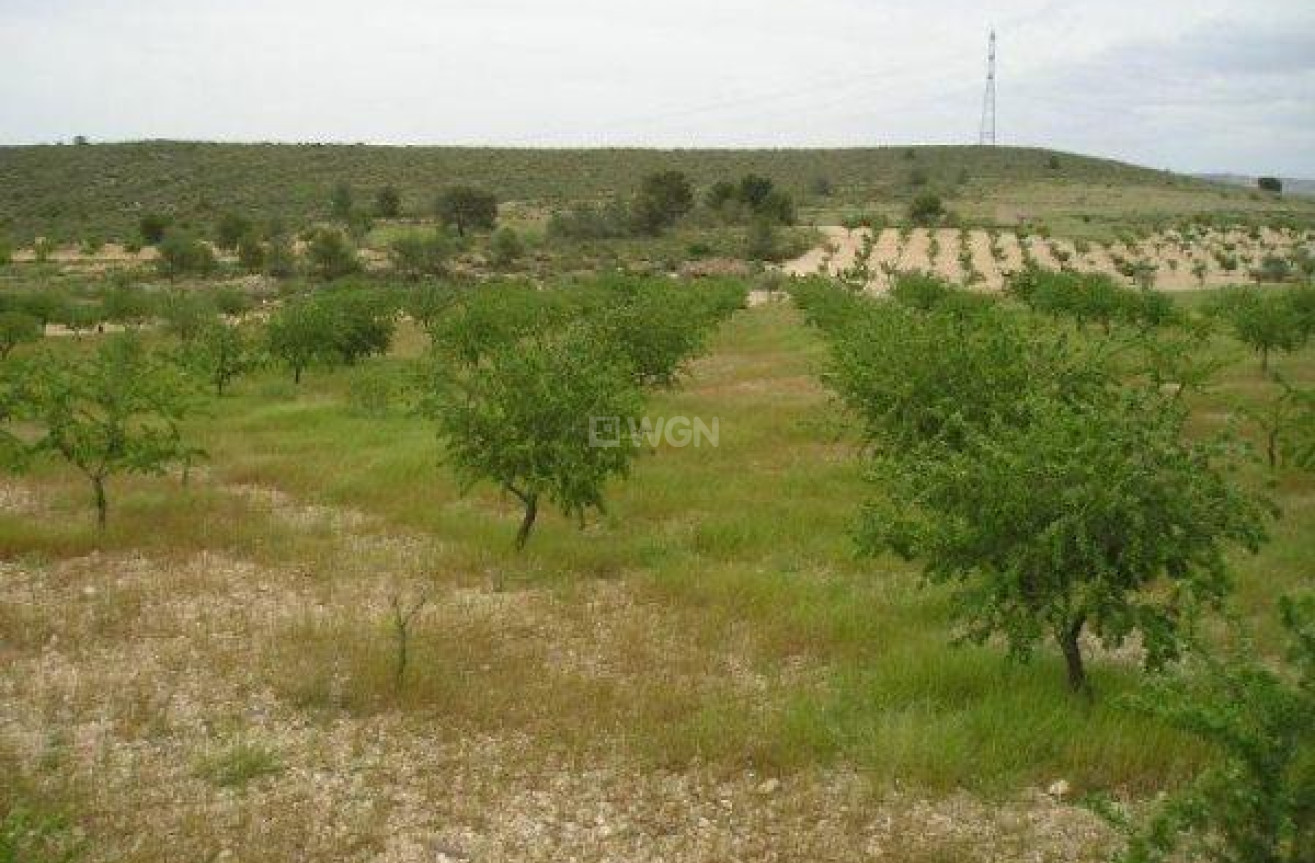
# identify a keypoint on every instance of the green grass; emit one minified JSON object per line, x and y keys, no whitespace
{"x":238,"y":764}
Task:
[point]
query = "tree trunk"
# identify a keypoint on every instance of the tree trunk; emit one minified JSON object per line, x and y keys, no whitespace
{"x":1264,"y":359}
{"x":1271,"y":448}
{"x":1068,"y":642}
{"x":403,"y":639}
{"x":527,"y":523}
{"x":102,"y":505}
{"x":296,"y":375}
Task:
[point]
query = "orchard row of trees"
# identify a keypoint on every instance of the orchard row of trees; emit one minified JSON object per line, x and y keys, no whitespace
{"x":517,"y":376}
{"x":523,"y":379}
{"x":1046,"y":472}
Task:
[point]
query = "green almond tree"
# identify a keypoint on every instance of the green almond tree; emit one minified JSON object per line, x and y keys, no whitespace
{"x":526,"y":416}
{"x":112,"y":412}
{"x":1094,"y":516}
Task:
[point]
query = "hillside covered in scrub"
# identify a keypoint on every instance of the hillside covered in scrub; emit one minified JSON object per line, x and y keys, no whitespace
{"x":99,"y":191}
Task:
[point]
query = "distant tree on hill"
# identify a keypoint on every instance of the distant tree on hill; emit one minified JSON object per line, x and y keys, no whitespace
{"x":251,"y":252}
{"x":230,"y":230}
{"x":152,"y":227}
{"x":183,"y":254}
{"x":1270,"y":184}
{"x":467,"y":208}
{"x":754,"y":197}
{"x":388,"y":203}
{"x":280,"y":257}
{"x":926,"y":209}
{"x":415,"y":256}
{"x":340,"y":201}
{"x":331,"y":256}
{"x":720,"y":194}
{"x":663,"y":198}
{"x":754,"y":190}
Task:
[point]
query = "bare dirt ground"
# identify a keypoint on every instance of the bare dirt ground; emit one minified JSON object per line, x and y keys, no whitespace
{"x":136,"y":679}
{"x":1180,"y":263}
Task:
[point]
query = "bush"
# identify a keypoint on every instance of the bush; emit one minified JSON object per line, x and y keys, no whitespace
{"x":330,"y":255}
{"x":663,"y":198}
{"x":762,"y":242}
{"x":183,"y":254}
{"x":231,"y":229}
{"x":251,"y":253}
{"x":506,"y":247}
{"x":585,"y":221}
{"x":388,"y":203}
{"x":415,"y":256}
{"x":152,"y":227}
{"x":754,"y":196}
{"x":340,"y":201}
{"x":280,"y":258}
{"x":1270,"y":184}
{"x":1254,"y":805}
{"x":467,"y":208}
{"x":926,"y":209}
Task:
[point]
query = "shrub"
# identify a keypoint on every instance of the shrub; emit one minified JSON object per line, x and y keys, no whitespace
{"x":152,"y":227}
{"x":506,"y":247}
{"x":251,"y":253}
{"x":415,"y":256}
{"x":467,"y":208}
{"x":341,"y":201}
{"x":231,"y":229}
{"x":1254,"y":805}
{"x":388,"y":203}
{"x":663,"y":198}
{"x":1270,"y":184}
{"x":586,"y":221}
{"x":330,"y":255}
{"x":926,"y":209}
{"x":762,"y":243}
{"x":280,"y":257}
{"x":183,"y":254}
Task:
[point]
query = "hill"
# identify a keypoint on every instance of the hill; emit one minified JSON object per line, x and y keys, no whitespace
{"x":100,"y":190}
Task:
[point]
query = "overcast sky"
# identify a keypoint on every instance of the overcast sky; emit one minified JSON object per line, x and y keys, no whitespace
{"x":1194,"y":85}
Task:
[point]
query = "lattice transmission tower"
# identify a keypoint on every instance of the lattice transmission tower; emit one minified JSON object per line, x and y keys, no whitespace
{"x":987,"y":133}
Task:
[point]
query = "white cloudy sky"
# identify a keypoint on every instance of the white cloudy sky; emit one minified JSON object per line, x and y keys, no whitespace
{"x":1188,"y":84}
